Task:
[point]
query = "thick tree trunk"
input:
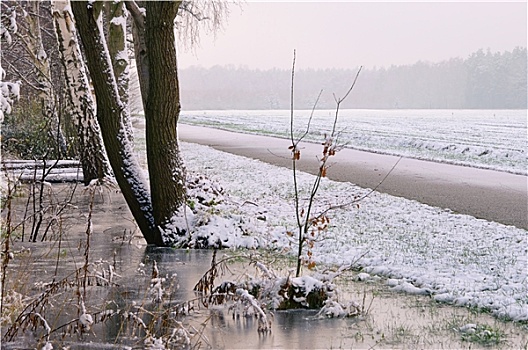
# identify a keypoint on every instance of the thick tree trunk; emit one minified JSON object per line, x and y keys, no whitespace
{"x":167,"y":176}
{"x":91,"y":149}
{"x":112,"y":115}
{"x":154,"y":44}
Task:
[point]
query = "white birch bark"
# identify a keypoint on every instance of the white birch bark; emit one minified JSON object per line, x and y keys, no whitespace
{"x":92,"y":151}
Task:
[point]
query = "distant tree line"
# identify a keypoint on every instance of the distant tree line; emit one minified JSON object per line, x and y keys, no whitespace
{"x":484,"y":80}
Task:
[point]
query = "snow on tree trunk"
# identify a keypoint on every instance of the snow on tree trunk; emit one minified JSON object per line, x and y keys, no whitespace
{"x":167,"y":176}
{"x":33,"y":42}
{"x":112,"y":115}
{"x":91,"y":148}
{"x":155,"y":51}
{"x":117,"y":47}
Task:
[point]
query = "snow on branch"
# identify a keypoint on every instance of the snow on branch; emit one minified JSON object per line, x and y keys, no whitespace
{"x":8,"y":93}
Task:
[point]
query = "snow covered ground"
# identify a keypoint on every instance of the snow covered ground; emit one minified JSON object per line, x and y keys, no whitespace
{"x":492,"y":139}
{"x":419,"y":249}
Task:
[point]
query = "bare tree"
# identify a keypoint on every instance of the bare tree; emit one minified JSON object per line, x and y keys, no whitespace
{"x":45,"y":55}
{"x":161,"y":210}
{"x":159,"y":207}
{"x":161,"y":114}
{"x":158,"y":77}
{"x":308,"y":224}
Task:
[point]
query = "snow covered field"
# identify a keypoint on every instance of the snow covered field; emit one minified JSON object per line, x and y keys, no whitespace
{"x":492,"y":139}
{"x":419,"y":249}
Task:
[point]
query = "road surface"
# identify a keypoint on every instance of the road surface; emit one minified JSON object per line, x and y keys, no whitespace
{"x":486,"y":194}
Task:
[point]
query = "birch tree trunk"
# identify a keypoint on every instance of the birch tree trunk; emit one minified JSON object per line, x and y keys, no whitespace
{"x":112,"y":115}
{"x":91,"y":148}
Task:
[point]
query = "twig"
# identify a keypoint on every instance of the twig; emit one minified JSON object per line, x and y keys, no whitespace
{"x":311,"y":117}
{"x":341,"y":206}
{"x":338,"y":101}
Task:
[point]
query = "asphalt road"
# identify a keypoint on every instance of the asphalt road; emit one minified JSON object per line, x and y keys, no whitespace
{"x":486,"y":194}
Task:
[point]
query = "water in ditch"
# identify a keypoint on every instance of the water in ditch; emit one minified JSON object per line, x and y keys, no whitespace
{"x":119,"y":280}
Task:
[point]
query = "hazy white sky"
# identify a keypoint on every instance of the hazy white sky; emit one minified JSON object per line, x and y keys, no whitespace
{"x":263,"y":34}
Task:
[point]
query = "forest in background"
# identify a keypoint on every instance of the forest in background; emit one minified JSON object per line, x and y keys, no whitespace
{"x":484,"y":80}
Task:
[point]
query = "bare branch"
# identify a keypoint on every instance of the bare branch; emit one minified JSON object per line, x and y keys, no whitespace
{"x":291,"y":99}
{"x":26,"y":81}
{"x":311,"y":117}
{"x":136,"y":13}
{"x":187,"y":6}
{"x":359,"y":199}
{"x":352,"y":86}
{"x":338,"y":101}
{"x":197,"y":15}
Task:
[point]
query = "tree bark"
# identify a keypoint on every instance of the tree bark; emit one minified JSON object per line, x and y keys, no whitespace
{"x":162,"y":214}
{"x":117,"y":47}
{"x":112,"y":115}
{"x":140,"y":49}
{"x":91,"y":148}
{"x":167,"y":174}
{"x":118,"y":50}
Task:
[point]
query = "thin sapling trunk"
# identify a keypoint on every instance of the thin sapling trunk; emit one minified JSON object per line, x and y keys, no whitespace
{"x":309,"y":226}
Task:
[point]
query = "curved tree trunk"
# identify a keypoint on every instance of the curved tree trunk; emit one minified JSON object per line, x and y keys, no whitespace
{"x":112,"y":116}
{"x":91,"y":149}
{"x":161,"y":216}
